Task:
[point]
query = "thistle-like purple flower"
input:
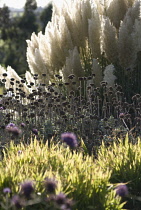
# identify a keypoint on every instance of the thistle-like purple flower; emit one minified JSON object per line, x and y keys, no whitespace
{"x":68,"y":205}
{"x":10,"y":125}
{"x":13,"y":129}
{"x":50,"y":185}
{"x":27,"y":189}
{"x":60,"y":198}
{"x":16,"y":201}
{"x":121,"y":190}
{"x":70,"y":139}
{"x":121,"y":115}
{"x":6,"y":190}
{"x":22,"y":125}
{"x":35,"y":131}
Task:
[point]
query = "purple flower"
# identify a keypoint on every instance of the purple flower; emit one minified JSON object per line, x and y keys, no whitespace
{"x":22,"y":125}
{"x":7,"y":190}
{"x":70,"y":139}
{"x":19,"y":152}
{"x":27,"y":188}
{"x":60,"y":198}
{"x":35,"y":131}
{"x":16,"y":202}
{"x":10,"y":125}
{"x":121,"y":115}
{"x":50,"y":185}
{"x":121,"y":190}
{"x":68,"y":205}
{"x":13,"y":129}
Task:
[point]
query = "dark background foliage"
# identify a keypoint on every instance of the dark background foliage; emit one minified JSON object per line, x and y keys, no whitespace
{"x":16,"y":29}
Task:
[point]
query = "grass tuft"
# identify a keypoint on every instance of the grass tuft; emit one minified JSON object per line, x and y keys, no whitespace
{"x":78,"y":176}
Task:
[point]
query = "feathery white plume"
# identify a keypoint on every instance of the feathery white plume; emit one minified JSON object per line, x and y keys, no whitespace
{"x":109,"y":76}
{"x":94,"y":30}
{"x":110,"y":42}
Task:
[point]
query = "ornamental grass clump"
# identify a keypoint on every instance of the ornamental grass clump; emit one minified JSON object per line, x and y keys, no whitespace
{"x":55,"y":178}
{"x":109,"y":46}
{"x":27,"y":198}
{"x":123,"y":160}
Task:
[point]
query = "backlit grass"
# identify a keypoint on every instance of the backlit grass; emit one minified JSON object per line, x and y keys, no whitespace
{"x":78,"y":175}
